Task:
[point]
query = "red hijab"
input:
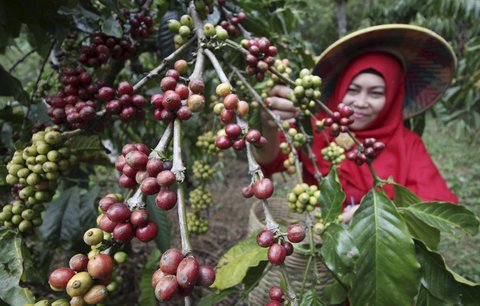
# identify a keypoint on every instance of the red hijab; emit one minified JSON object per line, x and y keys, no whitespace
{"x":404,"y":157}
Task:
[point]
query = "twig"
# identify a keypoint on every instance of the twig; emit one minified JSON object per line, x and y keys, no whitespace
{"x":313,"y":158}
{"x":178,"y":169}
{"x":137,"y":201}
{"x":292,"y":297}
{"x":245,"y":33}
{"x":165,"y":61}
{"x":164,"y":141}
{"x":23,"y":58}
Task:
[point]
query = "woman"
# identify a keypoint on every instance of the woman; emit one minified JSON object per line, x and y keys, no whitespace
{"x":377,"y":82}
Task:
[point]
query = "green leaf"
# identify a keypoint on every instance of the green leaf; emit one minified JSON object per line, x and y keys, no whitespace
{"x":425,"y":298}
{"x":403,"y":196}
{"x":216,"y":297}
{"x":164,"y":236}
{"x":111,"y":27}
{"x":11,"y":270}
{"x":254,"y":274}
{"x":310,"y":298}
{"x":61,"y":223}
{"x":387,"y":270}
{"x":420,"y":230}
{"x":331,"y":197}
{"x":339,"y":251}
{"x":234,"y":264}
{"x":445,"y":216}
{"x":443,"y":283}
{"x":147,"y":292}
{"x":334,"y":293}
{"x":85,"y":143}
{"x":12,"y":87}
{"x":88,"y":211}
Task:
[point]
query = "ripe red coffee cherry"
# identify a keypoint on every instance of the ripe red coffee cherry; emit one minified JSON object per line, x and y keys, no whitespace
{"x":253,"y":135}
{"x":127,"y":182}
{"x":139,"y":217}
{"x":263,"y":189}
{"x":149,"y":186}
{"x":141,"y":176}
{"x":168,"y":83}
{"x":247,"y":191}
{"x":206,"y":276}
{"x":182,"y":91}
{"x":128,"y":148}
{"x":230,"y":101}
{"x":166,"y":178}
{"x":265,"y":238}
{"x":106,"y":94}
{"x":196,"y":86}
{"x":276,"y":293}
{"x":166,"y":199}
{"x":187,"y":272}
{"x":173,"y":73}
{"x":59,"y":278}
{"x":147,"y":232}
{"x":100,"y":266}
{"x":276,"y":254}
{"x":106,"y":202}
{"x":138,"y":101}
{"x":78,"y":262}
{"x":296,"y":233}
{"x":288,"y":247}
{"x":233,"y":130}
{"x":227,"y":115}
{"x":223,"y":142}
{"x":137,"y":160}
{"x":125,"y":88}
{"x":184,"y":113}
{"x":171,"y":100}
{"x":166,"y":288}
{"x":154,"y":166}
{"x":118,"y":212}
{"x":238,"y":144}
{"x":123,"y":232}
{"x":181,"y":66}
{"x":106,"y":224}
{"x":170,"y":260}
{"x":157,"y":275}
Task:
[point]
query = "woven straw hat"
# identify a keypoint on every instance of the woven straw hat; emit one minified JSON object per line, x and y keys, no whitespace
{"x":428,"y":61}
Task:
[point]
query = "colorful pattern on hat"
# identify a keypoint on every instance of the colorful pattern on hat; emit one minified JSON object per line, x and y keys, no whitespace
{"x":428,"y":60}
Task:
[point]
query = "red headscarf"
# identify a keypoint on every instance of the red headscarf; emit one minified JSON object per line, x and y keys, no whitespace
{"x":404,"y":157}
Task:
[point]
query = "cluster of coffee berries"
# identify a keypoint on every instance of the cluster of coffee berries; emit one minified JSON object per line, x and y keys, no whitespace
{"x":289,"y":163}
{"x":128,"y":106}
{"x":140,"y":23}
{"x":232,"y":136}
{"x":230,"y":104}
{"x":307,"y":89}
{"x":179,"y":274}
{"x":169,"y":103}
{"x":217,"y":32}
{"x":103,"y":47}
{"x":282,"y":66}
{"x":117,"y":219}
{"x":262,"y":189}
{"x":69,"y":46}
{"x":136,"y":163}
{"x":204,"y":7}
{"x":17,"y":214}
{"x":231,"y":24}
{"x":87,"y":280}
{"x":75,"y":104}
{"x":196,"y":224}
{"x":280,"y":245}
{"x":276,"y":296}
{"x":203,"y":171}
{"x":206,"y":143}
{"x":303,"y":198}
{"x":333,"y":153}
{"x":183,"y":28}
{"x":339,"y":120}
{"x":367,"y":152}
{"x":298,"y":139}
{"x":200,"y":198}
{"x":260,"y":58}
{"x":320,"y":224}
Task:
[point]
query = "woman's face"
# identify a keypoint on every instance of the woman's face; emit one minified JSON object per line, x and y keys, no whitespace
{"x":366,"y":95}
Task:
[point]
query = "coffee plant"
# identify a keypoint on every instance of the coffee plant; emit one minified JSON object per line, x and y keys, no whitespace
{"x":126,"y":121}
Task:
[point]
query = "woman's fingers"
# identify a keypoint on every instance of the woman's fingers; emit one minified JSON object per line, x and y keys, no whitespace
{"x":281,"y":104}
{"x":280,"y":91}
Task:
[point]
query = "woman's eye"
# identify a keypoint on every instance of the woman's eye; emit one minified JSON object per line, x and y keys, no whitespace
{"x":377,"y":94}
{"x":352,"y":90}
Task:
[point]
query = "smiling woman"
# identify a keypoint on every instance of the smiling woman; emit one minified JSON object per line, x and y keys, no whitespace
{"x":381,"y":89}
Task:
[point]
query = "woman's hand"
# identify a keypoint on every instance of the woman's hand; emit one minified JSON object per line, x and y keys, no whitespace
{"x":279,"y":103}
{"x":347,"y":215}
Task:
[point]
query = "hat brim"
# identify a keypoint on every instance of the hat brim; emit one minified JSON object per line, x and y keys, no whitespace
{"x":428,"y":60}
